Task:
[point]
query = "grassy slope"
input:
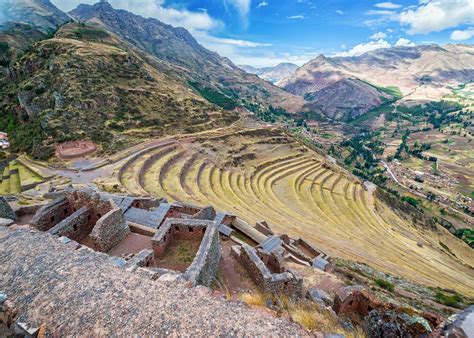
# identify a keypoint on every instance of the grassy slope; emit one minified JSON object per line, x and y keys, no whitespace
{"x":296,"y":194}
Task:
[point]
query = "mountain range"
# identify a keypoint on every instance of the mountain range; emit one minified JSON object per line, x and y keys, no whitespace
{"x":272,"y":74}
{"x":344,"y":87}
{"x":117,"y":78}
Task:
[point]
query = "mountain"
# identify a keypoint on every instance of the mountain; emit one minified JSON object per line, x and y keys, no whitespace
{"x":115,"y":78}
{"x":345,"y":87}
{"x":213,"y":76}
{"x":40,"y":14}
{"x":272,"y":74}
{"x":84,"y":82}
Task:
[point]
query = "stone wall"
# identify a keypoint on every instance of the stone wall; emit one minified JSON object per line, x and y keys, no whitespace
{"x":288,"y":282}
{"x":204,"y":267}
{"x":176,"y":228}
{"x":99,"y":204}
{"x":76,"y":226}
{"x":207,"y":213}
{"x":51,"y":214}
{"x":109,"y":230}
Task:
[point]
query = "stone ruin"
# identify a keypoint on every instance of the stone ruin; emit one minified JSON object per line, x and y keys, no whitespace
{"x":81,"y":215}
{"x":101,"y":222}
{"x":268,"y":271}
{"x":88,"y":219}
{"x":204,"y":267}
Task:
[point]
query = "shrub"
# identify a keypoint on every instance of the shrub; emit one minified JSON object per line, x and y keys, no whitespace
{"x":449,"y":300}
{"x":256,"y":299}
{"x":385,"y":284}
{"x":410,"y":200}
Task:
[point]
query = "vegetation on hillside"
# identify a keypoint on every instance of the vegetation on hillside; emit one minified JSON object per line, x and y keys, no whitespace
{"x":84,"y":84}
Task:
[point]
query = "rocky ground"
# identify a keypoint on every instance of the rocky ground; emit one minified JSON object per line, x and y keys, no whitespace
{"x":81,"y":292}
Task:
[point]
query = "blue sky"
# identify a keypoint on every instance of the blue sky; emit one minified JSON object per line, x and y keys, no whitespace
{"x":267,"y":32}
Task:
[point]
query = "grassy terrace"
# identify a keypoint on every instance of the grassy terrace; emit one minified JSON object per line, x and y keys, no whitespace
{"x":297,"y":193}
{"x":15,"y":176}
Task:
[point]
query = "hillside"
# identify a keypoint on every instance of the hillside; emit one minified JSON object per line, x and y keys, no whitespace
{"x":263,"y":174}
{"x":346,"y":87}
{"x":208,"y":73}
{"x":41,"y":14}
{"x":86,"y":83}
{"x":272,"y":74}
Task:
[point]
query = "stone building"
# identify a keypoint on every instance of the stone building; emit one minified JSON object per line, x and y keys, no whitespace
{"x":268,"y":271}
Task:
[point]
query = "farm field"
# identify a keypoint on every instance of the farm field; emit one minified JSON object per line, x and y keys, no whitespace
{"x":15,"y":175}
{"x":263,"y":174}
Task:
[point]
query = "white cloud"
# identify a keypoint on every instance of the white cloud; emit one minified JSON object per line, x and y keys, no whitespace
{"x":242,"y":7}
{"x":387,"y":5}
{"x":296,"y":17}
{"x":364,"y":48}
{"x":193,"y":21}
{"x":262,"y":4}
{"x":402,"y":42}
{"x":459,"y":35}
{"x":340,"y":12}
{"x":233,"y":42}
{"x":379,"y":12}
{"x":378,"y":36}
{"x":437,"y":15}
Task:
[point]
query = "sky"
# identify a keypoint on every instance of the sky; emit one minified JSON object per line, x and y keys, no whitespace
{"x":267,"y":32}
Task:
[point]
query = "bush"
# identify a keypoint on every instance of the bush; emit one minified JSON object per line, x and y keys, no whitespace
{"x":410,"y":200}
{"x":449,"y":300}
{"x":385,"y":284}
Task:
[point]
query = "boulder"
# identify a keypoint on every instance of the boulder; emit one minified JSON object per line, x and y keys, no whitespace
{"x":320,"y":297}
{"x":391,"y":323}
{"x":5,"y":222}
{"x":6,"y":210}
{"x":461,"y":325}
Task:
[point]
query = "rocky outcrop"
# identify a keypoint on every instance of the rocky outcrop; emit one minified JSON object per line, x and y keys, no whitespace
{"x":84,"y":293}
{"x":461,"y":325}
{"x":395,"y":324}
{"x":6,"y":210}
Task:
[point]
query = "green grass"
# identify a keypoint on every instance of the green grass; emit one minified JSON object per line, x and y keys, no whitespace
{"x":454,"y":300}
{"x":215,"y":97}
{"x":385,"y":284}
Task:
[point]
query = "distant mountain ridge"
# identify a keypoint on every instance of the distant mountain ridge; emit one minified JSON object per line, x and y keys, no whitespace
{"x":41,"y":14}
{"x":345,"y":87}
{"x":272,"y":74}
{"x":205,"y":70}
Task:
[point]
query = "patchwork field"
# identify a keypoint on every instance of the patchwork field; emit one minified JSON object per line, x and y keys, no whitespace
{"x":263,"y":174}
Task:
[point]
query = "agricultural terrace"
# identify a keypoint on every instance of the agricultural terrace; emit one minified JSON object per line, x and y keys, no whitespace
{"x":263,"y":174}
{"x":17,"y":177}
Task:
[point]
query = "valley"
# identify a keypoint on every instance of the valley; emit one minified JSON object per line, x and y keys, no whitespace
{"x":338,"y":194}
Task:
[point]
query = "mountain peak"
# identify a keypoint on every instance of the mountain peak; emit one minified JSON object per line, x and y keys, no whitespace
{"x":39,"y":13}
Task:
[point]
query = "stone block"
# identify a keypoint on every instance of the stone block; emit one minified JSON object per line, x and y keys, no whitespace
{"x":320,"y":297}
{"x":6,"y":210}
{"x":5,"y":222}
